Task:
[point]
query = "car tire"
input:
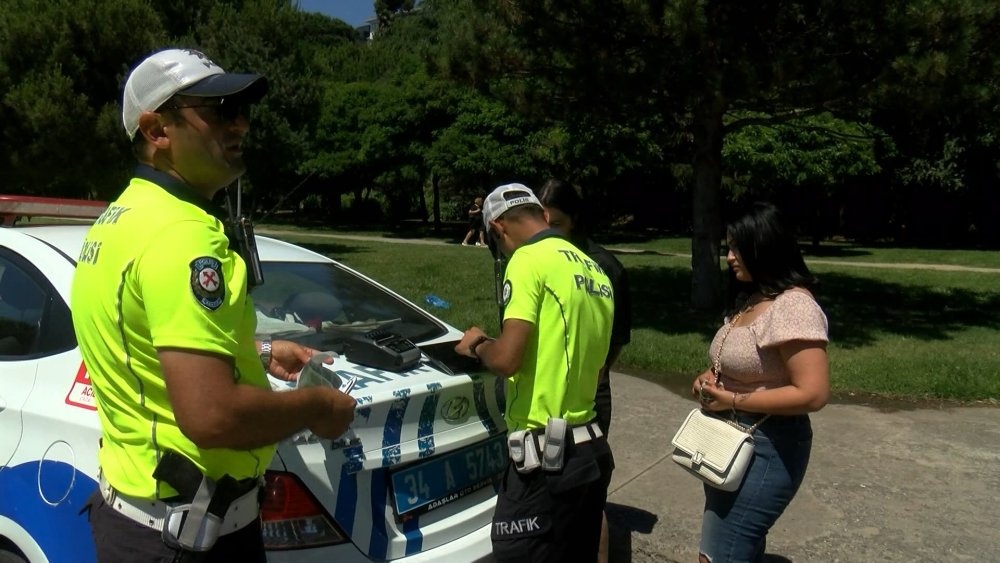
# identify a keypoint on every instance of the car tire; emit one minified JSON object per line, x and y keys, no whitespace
{"x":11,"y":557}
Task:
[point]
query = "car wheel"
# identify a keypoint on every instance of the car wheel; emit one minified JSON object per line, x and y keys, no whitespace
{"x":11,"y":557}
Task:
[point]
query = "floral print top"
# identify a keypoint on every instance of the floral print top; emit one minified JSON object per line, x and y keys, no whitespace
{"x":751,"y":360}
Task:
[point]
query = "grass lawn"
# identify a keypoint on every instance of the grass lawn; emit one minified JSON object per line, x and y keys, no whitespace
{"x":906,"y":333}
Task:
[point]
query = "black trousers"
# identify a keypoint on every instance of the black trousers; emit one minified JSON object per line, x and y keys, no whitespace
{"x":118,"y":538}
{"x":602,"y":404}
{"x":554,"y":516}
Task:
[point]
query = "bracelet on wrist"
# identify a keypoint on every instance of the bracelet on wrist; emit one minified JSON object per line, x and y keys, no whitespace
{"x":265,"y":353}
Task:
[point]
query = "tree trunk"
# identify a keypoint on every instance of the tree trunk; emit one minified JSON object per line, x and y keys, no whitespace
{"x":423,"y":203}
{"x":436,"y":190}
{"x":706,"y":279}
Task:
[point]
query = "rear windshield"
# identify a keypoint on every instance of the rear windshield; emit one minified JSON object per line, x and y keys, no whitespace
{"x":323,"y":305}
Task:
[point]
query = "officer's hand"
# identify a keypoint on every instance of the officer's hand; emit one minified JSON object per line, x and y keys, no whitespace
{"x":462,"y":348}
{"x":338,"y":414}
{"x":288,"y":359}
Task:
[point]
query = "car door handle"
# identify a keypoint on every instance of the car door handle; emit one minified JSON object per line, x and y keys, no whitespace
{"x":3,"y":404}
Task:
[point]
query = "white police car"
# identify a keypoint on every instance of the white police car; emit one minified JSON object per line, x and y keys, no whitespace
{"x":414,"y":479}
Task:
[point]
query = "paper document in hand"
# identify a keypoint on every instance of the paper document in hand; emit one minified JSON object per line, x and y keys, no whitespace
{"x":317,"y":372}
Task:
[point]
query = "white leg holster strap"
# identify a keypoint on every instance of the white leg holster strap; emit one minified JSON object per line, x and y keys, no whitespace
{"x":153,"y":513}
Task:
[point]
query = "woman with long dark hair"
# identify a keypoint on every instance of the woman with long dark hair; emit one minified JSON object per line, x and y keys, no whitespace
{"x":769,"y":367}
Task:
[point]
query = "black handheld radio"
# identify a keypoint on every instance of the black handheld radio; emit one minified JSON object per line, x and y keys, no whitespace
{"x":246,"y":244}
{"x":499,"y":269}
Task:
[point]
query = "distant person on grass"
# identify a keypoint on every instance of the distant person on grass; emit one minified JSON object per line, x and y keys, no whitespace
{"x":564,"y":211}
{"x":476,"y":226}
{"x":769,"y":360}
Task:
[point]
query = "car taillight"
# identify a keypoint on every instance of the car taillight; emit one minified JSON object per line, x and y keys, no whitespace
{"x":291,"y":516}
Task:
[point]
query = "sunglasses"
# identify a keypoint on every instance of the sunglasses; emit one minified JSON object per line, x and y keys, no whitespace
{"x":228,"y":109}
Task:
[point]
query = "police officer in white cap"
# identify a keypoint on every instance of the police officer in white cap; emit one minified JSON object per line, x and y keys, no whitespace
{"x":558,"y":308}
{"x":167,"y":332}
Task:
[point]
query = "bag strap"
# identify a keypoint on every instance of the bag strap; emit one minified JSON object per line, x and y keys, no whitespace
{"x":717,"y":370}
{"x":717,"y":362}
{"x":735,"y":424}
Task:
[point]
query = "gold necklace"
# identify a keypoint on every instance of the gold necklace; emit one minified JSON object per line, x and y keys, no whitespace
{"x":717,"y":363}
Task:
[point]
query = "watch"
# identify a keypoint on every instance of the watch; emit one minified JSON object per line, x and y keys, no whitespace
{"x":265,"y":353}
{"x":475,"y":344}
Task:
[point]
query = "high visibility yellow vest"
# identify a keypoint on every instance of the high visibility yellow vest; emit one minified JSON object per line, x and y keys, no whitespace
{"x":157,"y":271}
{"x":568,"y":298}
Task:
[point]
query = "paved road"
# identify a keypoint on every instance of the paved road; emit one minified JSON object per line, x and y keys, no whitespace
{"x":912,"y":485}
{"x":620,"y":250}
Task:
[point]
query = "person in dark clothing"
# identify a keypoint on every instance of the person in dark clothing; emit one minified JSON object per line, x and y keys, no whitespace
{"x":475,"y":223}
{"x":564,"y":211}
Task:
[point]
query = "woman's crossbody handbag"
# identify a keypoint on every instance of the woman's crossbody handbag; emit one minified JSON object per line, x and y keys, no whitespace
{"x":714,"y":449}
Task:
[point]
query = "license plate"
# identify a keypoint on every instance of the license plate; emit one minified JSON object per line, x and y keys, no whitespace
{"x":443,"y":479}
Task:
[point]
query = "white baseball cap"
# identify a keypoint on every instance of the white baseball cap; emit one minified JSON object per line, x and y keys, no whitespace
{"x":506,"y":197}
{"x":186,"y":71}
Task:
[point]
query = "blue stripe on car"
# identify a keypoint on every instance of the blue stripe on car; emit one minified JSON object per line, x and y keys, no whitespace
{"x":425,"y":428}
{"x":414,"y":537}
{"x":378,"y":545}
{"x":482,"y":409}
{"x":393,"y":428}
{"x":347,"y":492}
{"x":63,"y":530}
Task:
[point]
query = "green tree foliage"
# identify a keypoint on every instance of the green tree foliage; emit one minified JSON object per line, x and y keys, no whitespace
{"x":269,"y":38}
{"x":483,"y":146}
{"x":576,"y":81}
{"x":62,"y":65}
{"x":377,"y":117}
{"x":697,"y":64}
{"x":871,"y":119}
{"x":806,"y":166}
{"x":940,"y":105}
{"x":817,"y":150}
{"x":387,"y":10}
{"x":388,"y":127}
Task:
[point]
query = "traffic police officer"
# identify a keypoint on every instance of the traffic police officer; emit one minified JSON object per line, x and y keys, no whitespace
{"x":166,"y":328}
{"x":558,"y":308}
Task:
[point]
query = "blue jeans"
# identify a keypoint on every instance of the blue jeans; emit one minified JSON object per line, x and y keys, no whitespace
{"x":735,"y":524}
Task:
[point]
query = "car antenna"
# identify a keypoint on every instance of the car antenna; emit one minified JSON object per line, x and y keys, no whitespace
{"x":285,"y":196}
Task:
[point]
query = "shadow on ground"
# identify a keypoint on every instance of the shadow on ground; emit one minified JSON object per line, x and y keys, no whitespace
{"x":623,"y":521}
{"x":860,"y":307}
{"x":828,"y":251}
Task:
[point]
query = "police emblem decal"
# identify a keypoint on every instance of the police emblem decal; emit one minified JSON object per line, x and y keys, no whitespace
{"x":206,"y":282}
{"x":506,"y":292}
